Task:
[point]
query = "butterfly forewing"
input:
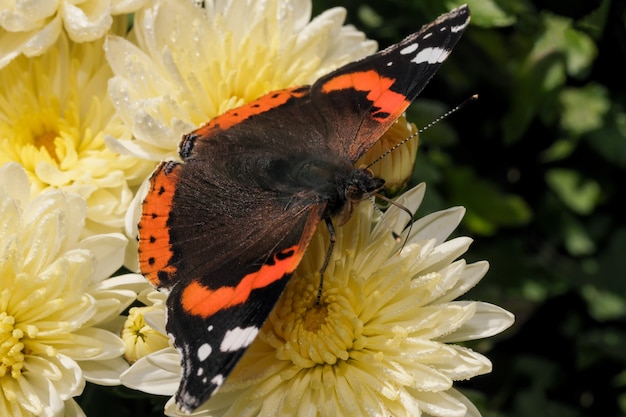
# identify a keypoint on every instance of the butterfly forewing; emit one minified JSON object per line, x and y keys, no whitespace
{"x":361,"y":100}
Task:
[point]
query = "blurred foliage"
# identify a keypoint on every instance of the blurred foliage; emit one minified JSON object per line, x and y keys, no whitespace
{"x":538,"y":161}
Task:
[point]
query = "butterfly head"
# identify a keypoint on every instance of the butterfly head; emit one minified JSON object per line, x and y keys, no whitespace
{"x":360,"y":184}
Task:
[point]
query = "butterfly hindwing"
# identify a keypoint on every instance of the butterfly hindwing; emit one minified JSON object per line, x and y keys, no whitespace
{"x":224,"y":320}
{"x":156,"y":257}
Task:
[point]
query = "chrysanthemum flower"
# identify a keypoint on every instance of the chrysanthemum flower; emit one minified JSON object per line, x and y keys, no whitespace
{"x":54,"y":113}
{"x":139,"y":336}
{"x":191,"y":64}
{"x":57,"y":308}
{"x":30,"y":27}
{"x":381,"y":340}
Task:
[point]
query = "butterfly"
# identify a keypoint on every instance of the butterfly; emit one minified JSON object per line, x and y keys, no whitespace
{"x":224,"y":229}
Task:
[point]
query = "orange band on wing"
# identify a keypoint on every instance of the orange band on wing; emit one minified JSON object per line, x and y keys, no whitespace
{"x":204,"y":302}
{"x":155,"y":250}
{"x":388,"y":102}
{"x":258,"y":106}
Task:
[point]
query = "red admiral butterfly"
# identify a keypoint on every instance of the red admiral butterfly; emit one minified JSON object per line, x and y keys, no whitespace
{"x":226,"y":228}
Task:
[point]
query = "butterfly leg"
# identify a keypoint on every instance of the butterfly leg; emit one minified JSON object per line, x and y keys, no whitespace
{"x":329,"y":252}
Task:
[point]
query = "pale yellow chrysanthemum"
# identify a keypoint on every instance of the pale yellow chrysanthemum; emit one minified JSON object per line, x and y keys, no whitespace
{"x":54,"y":113}
{"x":58,"y":310}
{"x":31,"y":27}
{"x":394,"y":155}
{"x":379,"y":343}
{"x":190,"y":64}
{"x":139,"y":336}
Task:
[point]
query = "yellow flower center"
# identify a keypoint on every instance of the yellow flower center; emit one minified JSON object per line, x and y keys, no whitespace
{"x":141,"y":339}
{"x":11,"y":347}
{"x":32,"y":137}
{"x":315,"y":317}
{"x":46,"y":141}
{"x":310,"y":334}
{"x":18,"y":339}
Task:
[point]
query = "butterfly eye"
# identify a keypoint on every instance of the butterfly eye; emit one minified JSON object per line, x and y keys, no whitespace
{"x":354,"y":193}
{"x":361,"y":185}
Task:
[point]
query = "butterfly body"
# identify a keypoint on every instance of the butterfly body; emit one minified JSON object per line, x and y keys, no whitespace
{"x":224,"y":229}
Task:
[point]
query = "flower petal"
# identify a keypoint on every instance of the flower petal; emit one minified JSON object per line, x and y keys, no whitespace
{"x":88,"y":23}
{"x":40,"y":41}
{"x":438,"y":225}
{"x":38,"y":396}
{"x":488,"y":320}
{"x":464,"y":364}
{"x":72,"y":409}
{"x":471,"y":275}
{"x":108,"y":251}
{"x":472,"y":411}
{"x":162,"y":379}
{"x":440,"y":404}
{"x":14,"y":182}
{"x":104,"y":372}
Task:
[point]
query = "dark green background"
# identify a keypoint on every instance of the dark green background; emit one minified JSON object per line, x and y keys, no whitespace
{"x":539,"y":162}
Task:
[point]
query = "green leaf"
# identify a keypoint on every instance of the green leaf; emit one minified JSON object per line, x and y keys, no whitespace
{"x":604,"y":305}
{"x":559,"y":36}
{"x":533,"y":92}
{"x":583,"y":108}
{"x":488,"y":208}
{"x":580,"y":194}
{"x":559,"y":150}
{"x":369,"y":16}
{"x":595,"y":22}
{"x":576,"y":239}
{"x":580,"y":52}
{"x":610,"y":140}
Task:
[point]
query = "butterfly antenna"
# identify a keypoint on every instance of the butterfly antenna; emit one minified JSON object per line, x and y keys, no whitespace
{"x":425,"y":128}
{"x":449,"y":112}
{"x":396,"y":236}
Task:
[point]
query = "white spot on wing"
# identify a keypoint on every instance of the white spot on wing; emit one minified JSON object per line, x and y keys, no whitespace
{"x":204,"y":351}
{"x":408,"y":49}
{"x":455,"y":29}
{"x":238,"y":338}
{"x":200,"y":371}
{"x":431,"y":55}
{"x":218,"y":380}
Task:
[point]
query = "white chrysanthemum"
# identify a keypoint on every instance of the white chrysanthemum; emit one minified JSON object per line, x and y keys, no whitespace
{"x":31,"y":27}
{"x":140,"y":337}
{"x":192,"y":64}
{"x":379,"y":342}
{"x":57,"y":308}
{"x":54,"y":113}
